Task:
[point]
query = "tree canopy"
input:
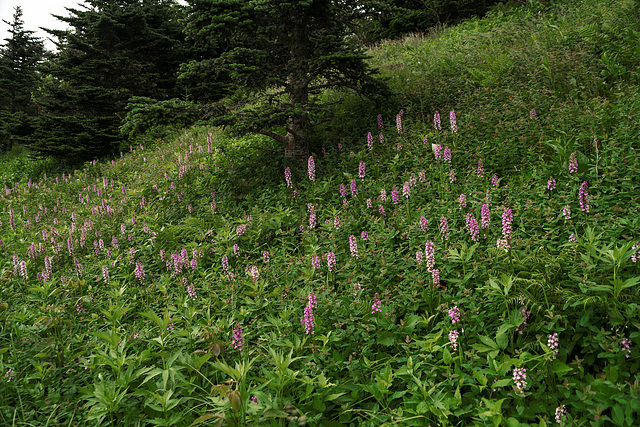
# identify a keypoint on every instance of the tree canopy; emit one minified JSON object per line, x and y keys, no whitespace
{"x":278,"y":56}
{"x":20,"y":56}
{"x":113,"y":51}
{"x":128,"y":66}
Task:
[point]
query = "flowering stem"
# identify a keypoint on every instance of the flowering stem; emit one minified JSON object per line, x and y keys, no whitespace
{"x":441,"y":186}
{"x":459,"y":361}
{"x":511,"y":260}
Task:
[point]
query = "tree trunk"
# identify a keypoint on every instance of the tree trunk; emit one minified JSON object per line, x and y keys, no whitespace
{"x":296,"y":145}
{"x":296,"y":142}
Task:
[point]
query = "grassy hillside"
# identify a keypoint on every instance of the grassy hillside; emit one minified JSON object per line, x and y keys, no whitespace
{"x":482,"y":273}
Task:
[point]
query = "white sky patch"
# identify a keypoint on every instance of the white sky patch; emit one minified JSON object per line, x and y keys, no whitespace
{"x":35,"y":14}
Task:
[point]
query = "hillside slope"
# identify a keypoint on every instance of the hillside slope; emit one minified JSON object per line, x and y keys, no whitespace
{"x":476,"y":266}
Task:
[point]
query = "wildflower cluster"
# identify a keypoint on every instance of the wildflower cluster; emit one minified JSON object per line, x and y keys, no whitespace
{"x":437,"y":151}
{"x":485,"y":214}
{"x":430,"y":254}
{"x":520,"y":379}
{"x":191,"y":291}
{"x":553,"y":343}
{"x":453,"y":339}
{"x":311,"y":169}
{"x":444,"y":228}
{"x":357,"y":287}
{"x":462,"y":201}
{"x":507,"y":220}
{"x":312,"y":216}
{"x":354,"y":190}
{"x":395,"y":198}
{"x":331,"y":262}
{"x":353,"y":246}
{"x":238,"y":338}
{"x":307,"y":317}
{"x":287,"y":177}
{"x":583,"y":197}
{"x":626,"y":347}
{"x":315,"y":261}
{"x":435,"y":277}
{"x":377,"y":304}
{"x":454,"y":315}
{"x":561,"y":413}
{"x":573,"y":163}
{"x":447,"y":155}
{"x":472,"y":227}
{"x":452,"y":120}
{"x":406,"y":190}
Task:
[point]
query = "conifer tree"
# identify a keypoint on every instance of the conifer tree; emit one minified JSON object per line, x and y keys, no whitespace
{"x":20,"y":55}
{"x":114,"y":50}
{"x":279,"y":55}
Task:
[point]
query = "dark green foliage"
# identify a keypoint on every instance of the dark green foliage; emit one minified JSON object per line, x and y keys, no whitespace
{"x":280,"y":56}
{"x":146,"y":115}
{"x":395,"y":18}
{"x":20,"y":56}
{"x":114,"y":50}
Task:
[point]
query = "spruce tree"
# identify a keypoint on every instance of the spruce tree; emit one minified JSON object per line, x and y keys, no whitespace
{"x":280,"y":55}
{"x":20,"y":55}
{"x":113,"y":51}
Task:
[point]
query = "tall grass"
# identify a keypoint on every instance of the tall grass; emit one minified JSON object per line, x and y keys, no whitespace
{"x":571,"y":61}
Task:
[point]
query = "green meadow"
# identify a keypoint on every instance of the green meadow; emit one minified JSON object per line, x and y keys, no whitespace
{"x":467,"y":254}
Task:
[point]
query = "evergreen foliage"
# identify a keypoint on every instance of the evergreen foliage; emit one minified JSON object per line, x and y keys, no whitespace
{"x":279,"y":54}
{"x":20,"y":56}
{"x":391,"y":19}
{"x":114,"y":50}
{"x":147,"y":117}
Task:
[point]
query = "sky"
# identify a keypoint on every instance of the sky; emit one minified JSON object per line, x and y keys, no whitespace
{"x":35,"y":14}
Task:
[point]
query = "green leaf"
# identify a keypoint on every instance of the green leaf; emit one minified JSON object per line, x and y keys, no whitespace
{"x":560,"y":368}
{"x":502,"y":339}
{"x":488,"y":342}
{"x":274,"y":413}
{"x":482,"y":348}
{"x":617,"y":415}
{"x":512,"y":422}
{"x":446,"y":356}
{"x":319,"y":405}
{"x":612,"y":373}
{"x":333,"y":396}
{"x":502,"y":383}
{"x":206,"y":417}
